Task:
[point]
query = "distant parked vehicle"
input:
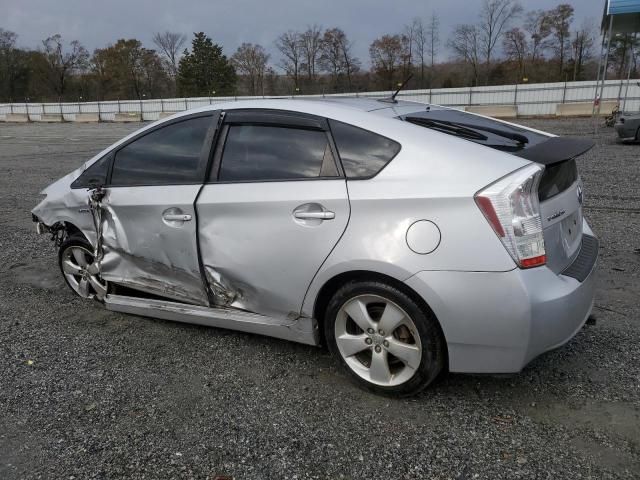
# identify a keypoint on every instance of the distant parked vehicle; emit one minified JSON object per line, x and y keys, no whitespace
{"x":628,"y":127}
{"x":409,"y":238}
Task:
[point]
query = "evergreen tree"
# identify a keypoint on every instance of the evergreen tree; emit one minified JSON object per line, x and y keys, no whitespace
{"x":205,"y":70}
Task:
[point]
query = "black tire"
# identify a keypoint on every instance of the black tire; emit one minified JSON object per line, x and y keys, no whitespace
{"x":73,"y":240}
{"x":433,"y":358}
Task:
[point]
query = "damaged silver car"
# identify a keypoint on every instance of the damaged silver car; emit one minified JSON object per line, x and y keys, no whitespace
{"x":410,"y":239}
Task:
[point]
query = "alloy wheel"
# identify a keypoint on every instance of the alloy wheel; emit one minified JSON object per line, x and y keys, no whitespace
{"x":82,"y":273}
{"x":378,"y":340}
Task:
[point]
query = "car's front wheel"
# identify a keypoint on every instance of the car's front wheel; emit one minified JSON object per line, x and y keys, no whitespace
{"x":385,"y":340}
{"x":78,"y":268}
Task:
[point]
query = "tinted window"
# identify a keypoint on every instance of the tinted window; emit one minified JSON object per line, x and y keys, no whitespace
{"x":363,"y":153}
{"x":557,"y":178}
{"x":95,"y":175}
{"x":169,"y":155}
{"x":253,"y":152}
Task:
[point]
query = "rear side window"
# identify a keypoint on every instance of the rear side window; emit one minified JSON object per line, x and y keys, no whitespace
{"x":258,"y":152}
{"x":363,"y":153}
{"x":169,"y":155}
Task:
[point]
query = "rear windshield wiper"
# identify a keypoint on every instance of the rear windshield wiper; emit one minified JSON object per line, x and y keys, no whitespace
{"x":463,"y":129}
{"x":448,"y":127}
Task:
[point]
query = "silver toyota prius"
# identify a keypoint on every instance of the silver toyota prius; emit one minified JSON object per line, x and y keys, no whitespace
{"x":410,"y":239}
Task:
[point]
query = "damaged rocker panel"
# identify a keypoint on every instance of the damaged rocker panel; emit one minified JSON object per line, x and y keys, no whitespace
{"x":300,"y":329}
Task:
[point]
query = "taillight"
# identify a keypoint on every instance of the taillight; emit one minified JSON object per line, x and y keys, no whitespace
{"x":512,"y":208}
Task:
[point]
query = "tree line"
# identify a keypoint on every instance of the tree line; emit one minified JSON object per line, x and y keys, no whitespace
{"x":506,"y":45}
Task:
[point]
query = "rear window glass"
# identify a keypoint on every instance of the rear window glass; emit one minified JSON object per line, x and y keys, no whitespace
{"x":363,"y":153}
{"x":556,"y":179}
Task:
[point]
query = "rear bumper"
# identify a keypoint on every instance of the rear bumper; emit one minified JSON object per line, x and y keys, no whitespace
{"x":497,"y":322}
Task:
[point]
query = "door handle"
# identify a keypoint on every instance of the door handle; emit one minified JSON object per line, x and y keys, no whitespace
{"x":174,"y":217}
{"x":325,"y":215}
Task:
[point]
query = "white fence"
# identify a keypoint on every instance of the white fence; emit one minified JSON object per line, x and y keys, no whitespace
{"x":530,"y":100}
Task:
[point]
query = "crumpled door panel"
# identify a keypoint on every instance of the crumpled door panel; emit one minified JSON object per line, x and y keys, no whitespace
{"x":143,"y":250}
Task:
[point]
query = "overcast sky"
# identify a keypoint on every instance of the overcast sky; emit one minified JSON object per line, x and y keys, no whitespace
{"x":97,"y":23}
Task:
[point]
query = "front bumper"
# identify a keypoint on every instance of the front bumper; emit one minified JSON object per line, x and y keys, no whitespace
{"x":497,"y":322}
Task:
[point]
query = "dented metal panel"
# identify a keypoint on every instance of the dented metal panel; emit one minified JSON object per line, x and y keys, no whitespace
{"x":299,"y":329}
{"x":65,"y":205}
{"x":149,"y":241}
{"x":257,"y":254}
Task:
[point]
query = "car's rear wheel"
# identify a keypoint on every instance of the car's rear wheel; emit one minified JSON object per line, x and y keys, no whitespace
{"x":385,"y":340}
{"x":79,"y":269}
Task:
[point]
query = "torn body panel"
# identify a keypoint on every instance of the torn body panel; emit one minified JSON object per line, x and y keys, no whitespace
{"x":65,"y":206}
{"x":148,"y":241}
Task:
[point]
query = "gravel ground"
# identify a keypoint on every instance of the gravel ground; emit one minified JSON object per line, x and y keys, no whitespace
{"x":86,"y":393}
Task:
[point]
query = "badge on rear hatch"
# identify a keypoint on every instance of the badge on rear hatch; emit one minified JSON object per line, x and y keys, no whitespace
{"x":559,"y":213}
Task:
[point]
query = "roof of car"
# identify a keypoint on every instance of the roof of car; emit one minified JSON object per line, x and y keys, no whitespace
{"x":362,"y":104}
{"x":366,"y":104}
{"x":341,"y":108}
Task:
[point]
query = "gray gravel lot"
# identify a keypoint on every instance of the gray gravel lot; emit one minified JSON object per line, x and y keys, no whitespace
{"x":86,"y":393}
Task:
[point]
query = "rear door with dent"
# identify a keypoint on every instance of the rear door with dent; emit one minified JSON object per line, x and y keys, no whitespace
{"x":272,"y":210}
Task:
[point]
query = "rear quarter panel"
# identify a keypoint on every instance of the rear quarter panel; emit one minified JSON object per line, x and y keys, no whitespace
{"x":434,"y":177}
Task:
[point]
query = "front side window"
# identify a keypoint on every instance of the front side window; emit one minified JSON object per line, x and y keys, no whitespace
{"x":258,"y":152}
{"x":95,"y":175}
{"x":169,"y":155}
{"x":363,"y":153}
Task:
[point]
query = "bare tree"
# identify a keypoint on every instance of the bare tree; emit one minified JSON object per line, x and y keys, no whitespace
{"x":515,"y":47}
{"x":495,"y":17}
{"x":289,"y":45}
{"x":582,"y":43}
{"x":62,"y":64}
{"x":538,"y":27}
{"x":559,"y":21}
{"x":331,"y":54}
{"x":7,"y":40}
{"x":622,"y":50}
{"x":407,"y":49}
{"x":433,"y":35}
{"x":251,"y":61}
{"x":420,"y":41}
{"x":467,"y":44}
{"x":336,"y":57}
{"x":351,"y":62}
{"x":170,"y":45}
{"x":310,"y":43}
{"x":14,"y":67}
{"x":386,"y":58}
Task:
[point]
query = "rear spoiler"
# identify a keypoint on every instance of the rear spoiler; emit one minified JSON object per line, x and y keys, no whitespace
{"x":556,"y":150}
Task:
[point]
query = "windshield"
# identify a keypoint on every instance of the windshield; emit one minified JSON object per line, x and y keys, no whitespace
{"x":482,"y":130}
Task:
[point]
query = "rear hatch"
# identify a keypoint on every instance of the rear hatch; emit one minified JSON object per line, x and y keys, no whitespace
{"x":560,"y":190}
